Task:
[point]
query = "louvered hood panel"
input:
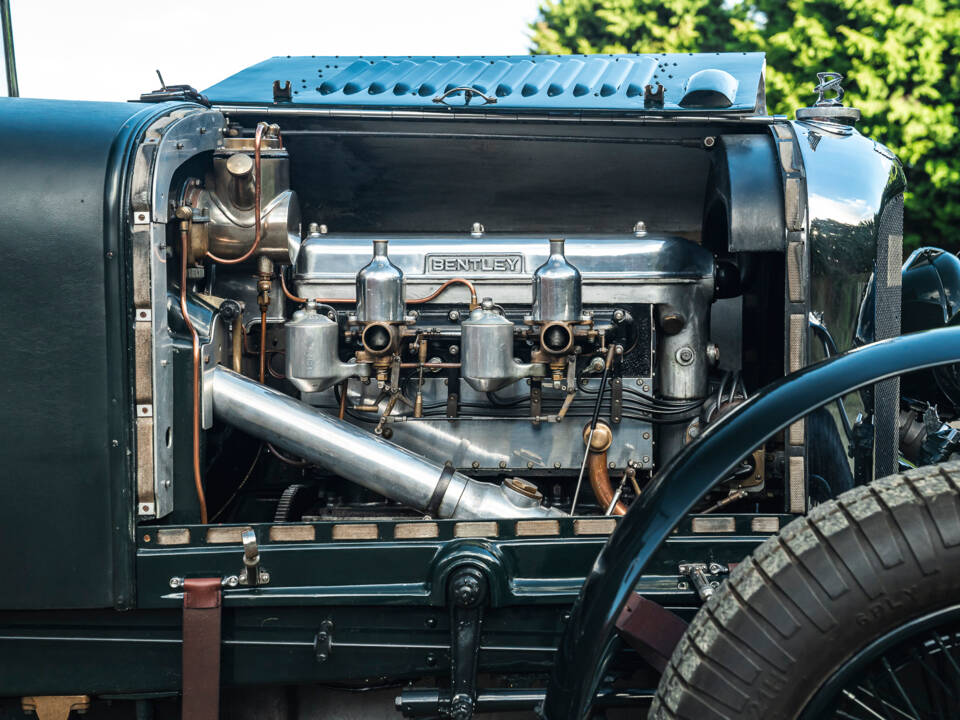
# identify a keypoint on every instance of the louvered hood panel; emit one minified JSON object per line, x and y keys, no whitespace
{"x":558,"y":83}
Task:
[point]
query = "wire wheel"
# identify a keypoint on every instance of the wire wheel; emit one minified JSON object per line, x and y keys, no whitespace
{"x":912,"y":672}
{"x":851,"y":612}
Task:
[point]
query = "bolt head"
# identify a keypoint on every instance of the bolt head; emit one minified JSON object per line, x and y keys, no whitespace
{"x":467,"y":590}
{"x":461,"y":707}
{"x":453,"y":316}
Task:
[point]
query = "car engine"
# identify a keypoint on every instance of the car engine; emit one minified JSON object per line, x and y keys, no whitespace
{"x":464,"y":374}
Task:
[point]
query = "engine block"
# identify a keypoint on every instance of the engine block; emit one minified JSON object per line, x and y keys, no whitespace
{"x":513,"y":349}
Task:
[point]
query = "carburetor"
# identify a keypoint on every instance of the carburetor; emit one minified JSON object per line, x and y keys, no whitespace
{"x":557,"y":310}
{"x":381,"y":311}
{"x":488,"y":336}
{"x":488,"y":339}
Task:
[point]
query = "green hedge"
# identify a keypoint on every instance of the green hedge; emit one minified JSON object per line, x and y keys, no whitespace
{"x":899,"y":61}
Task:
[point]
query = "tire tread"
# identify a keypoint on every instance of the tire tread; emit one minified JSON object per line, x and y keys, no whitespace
{"x":736,"y":656}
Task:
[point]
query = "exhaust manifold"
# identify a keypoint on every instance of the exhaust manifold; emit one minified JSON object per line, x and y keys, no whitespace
{"x":366,"y":459}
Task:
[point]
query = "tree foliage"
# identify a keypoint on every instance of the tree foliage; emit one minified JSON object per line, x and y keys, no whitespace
{"x":899,"y":61}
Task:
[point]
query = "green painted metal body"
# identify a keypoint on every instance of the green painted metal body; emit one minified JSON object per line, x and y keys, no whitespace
{"x":385,"y":598}
{"x":66,"y":515}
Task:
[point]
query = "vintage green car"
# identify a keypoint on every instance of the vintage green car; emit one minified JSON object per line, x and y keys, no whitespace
{"x":439,"y":386}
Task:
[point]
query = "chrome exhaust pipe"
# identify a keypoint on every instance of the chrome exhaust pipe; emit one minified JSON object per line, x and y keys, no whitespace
{"x":366,"y":459}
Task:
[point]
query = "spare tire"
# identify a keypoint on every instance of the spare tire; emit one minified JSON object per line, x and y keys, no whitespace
{"x":852,"y":611}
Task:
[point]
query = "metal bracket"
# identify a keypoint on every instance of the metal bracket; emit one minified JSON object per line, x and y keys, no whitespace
{"x":467,"y":592}
{"x":55,"y":707}
{"x":653,"y":96}
{"x":281,"y":91}
{"x":323,"y":642}
{"x":227,"y":581}
{"x":252,"y":574}
{"x":536,"y":399}
{"x":468,"y":94}
{"x":616,"y":400}
{"x":705,"y":577}
{"x":453,"y":393}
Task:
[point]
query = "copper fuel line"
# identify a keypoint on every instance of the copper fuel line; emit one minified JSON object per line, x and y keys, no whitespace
{"x":320,"y":301}
{"x":414,"y":301}
{"x":597,"y":468}
{"x":185,"y":214}
{"x":452,"y":281}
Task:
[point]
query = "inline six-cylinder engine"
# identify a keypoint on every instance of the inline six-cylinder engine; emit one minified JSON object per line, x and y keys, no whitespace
{"x":470,"y":374}
{"x":501,"y":369}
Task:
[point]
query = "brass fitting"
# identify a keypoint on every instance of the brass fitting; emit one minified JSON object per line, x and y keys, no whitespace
{"x":556,"y":338}
{"x":264,"y":282}
{"x":558,"y":369}
{"x":602,"y":437}
{"x":380,"y":339}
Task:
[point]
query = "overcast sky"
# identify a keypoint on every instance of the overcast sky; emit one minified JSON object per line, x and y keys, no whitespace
{"x":109,"y":49}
